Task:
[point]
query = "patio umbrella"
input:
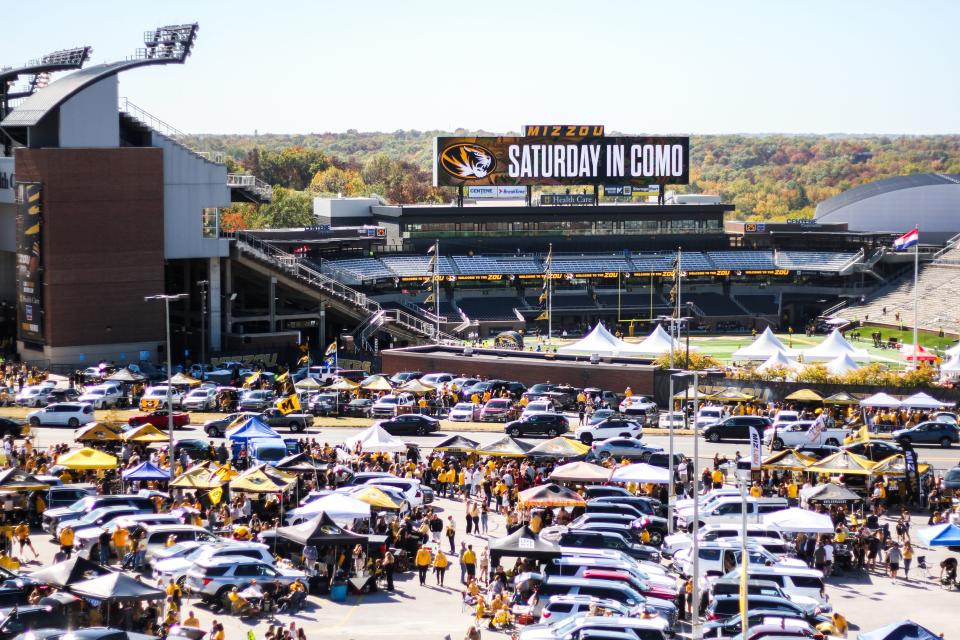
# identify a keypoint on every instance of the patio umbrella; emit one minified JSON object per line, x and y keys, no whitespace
{"x":559,"y":447}
{"x":843,"y":462}
{"x":14,"y":479}
{"x":336,"y":505}
{"x":117,"y":587}
{"x":343,"y":385}
{"x":144,"y":472}
{"x":262,"y":479}
{"x":841,"y":397}
{"x":68,"y":572}
{"x":415,"y":386}
{"x":941,"y":535}
{"x":550,"y":495}
{"x":896,"y":465}
{"x":921,"y":400}
{"x":375,"y":498}
{"x":96,"y":432}
{"x":880,"y":400}
{"x":788,"y":459}
{"x":182,"y":379}
{"x":87,"y":458}
{"x":580,"y":472}
{"x":125,"y":375}
{"x":794,"y":520}
{"x":641,"y":473}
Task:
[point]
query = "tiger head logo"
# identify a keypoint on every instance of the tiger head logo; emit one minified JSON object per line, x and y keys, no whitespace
{"x":467,"y":161}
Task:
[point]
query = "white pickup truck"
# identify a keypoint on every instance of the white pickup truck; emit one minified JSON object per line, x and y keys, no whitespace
{"x":797,"y":434}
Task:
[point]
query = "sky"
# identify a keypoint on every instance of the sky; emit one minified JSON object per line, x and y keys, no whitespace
{"x":678,"y":66}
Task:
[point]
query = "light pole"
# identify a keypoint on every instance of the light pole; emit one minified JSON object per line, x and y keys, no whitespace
{"x":203,"y":284}
{"x":695,"y":603}
{"x":167,"y":299}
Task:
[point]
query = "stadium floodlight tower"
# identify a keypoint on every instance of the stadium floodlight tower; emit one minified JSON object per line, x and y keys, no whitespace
{"x":172,"y":42}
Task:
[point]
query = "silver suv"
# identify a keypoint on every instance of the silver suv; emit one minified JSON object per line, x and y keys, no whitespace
{"x":166,"y":569}
{"x":213,"y":578}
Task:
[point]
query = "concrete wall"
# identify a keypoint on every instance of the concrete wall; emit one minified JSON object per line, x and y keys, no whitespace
{"x":336,"y":209}
{"x":89,"y":119}
{"x":190,"y":184}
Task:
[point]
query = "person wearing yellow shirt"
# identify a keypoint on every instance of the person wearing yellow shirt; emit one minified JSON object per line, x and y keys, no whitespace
{"x":66,"y":541}
{"x":422,"y":562}
{"x":792,"y":493}
{"x":755,"y":490}
{"x":717,"y":478}
{"x":440,"y":564}
{"x":470,"y":562}
{"x":436,"y":464}
{"x":22,"y":532}
{"x":628,"y":392}
{"x":217,"y":631}
{"x":644,"y":536}
{"x":119,"y":539}
{"x":191,"y":621}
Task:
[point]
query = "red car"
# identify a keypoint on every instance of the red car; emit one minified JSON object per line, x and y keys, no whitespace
{"x":159,"y":419}
{"x":641,"y":587}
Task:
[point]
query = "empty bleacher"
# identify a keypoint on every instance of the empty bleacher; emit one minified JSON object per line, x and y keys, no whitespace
{"x":742,"y":260}
{"x":813,"y":260}
{"x":416,"y":265}
{"x":937,"y":282}
{"x":591,"y":264}
{"x":629,"y":299}
{"x":714,"y":304}
{"x":490,"y":308}
{"x":763,"y":304}
{"x":357,"y":268}
{"x":472,"y":265}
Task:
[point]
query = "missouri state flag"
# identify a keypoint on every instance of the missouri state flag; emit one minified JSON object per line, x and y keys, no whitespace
{"x":907,"y":240}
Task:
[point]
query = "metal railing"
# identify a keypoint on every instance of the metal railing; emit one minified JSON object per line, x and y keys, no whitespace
{"x":951,"y":245}
{"x":853,"y":261}
{"x":149,"y":119}
{"x":432,"y":317}
{"x":300,"y":270}
{"x":252,"y":183}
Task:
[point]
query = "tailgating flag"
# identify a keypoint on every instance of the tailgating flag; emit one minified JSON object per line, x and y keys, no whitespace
{"x":907,"y":240}
{"x":543,"y":316}
{"x":433,"y":262}
{"x":428,"y":299}
{"x":331,"y":349}
{"x":817,"y":428}
{"x":548,"y":263}
{"x":756,"y":449}
{"x":215,"y":495}
{"x":432,"y":249}
{"x":288,"y":401}
{"x":543,"y":297}
{"x":251,"y":379}
{"x":304,"y":360}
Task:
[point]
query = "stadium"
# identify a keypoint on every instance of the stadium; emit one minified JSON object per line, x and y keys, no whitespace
{"x":94,"y":190}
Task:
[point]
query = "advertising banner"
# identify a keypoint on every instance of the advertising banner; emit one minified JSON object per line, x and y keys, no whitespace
{"x":756,"y":449}
{"x":566,"y":198}
{"x":563,"y":130}
{"x":29,"y":262}
{"x":490,"y":192}
{"x":542,"y":160}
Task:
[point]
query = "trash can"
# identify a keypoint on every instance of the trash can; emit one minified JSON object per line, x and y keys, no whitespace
{"x":338,"y":592}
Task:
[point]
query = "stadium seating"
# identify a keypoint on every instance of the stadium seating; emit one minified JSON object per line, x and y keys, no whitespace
{"x":358,"y":268}
{"x":416,"y":265}
{"x":629,"y":299}
{"x":765,"y":304}
{"x":472,"y":265}
{"x":714,"y":304}
{"x":742,"y":260}
{"x":591,"y":264}
{"x":490,"y":308}
{"x":813,"y":260}
{"x":940,"y":282}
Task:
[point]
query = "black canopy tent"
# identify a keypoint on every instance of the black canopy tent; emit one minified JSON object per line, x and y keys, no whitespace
{"x":300,"y":463}
{"x":829,"y":493}
{"x":320,"y":531}
{"x":522,"y":543}
{"x":113,"y":588}
{"x":69,"y":572}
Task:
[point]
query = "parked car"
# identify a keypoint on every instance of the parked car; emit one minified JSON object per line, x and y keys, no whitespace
{"x":359,"y":408}
{"x":52,"y":517}
{"x":70,"y":414}
{"x":324,"y":404}
{"x":951,"y":479}
{"x":730,"y":509}
{"x":67,"y":494}
{"x":607,"y":540}
{"x":612,"y":628}
{"x":256,"y":400}
{"x":546,"y":424}
{"x":729,"y":605}
{"x":196,"y":448}
{"x":393,"y":405}
{"x":538,"y":406}
{"x":97,"y":518}
{"x":213,"y":578}
{"x":642,"y":409}
{"x":610,"y":428}
{"x":156,"y":537}
{"x":296,"y":422}
{"x":160,"y":419}
{"x":217,"y":428}
{"x":102,"y":396}
{"x":645,"y":504}
{"x":736,"y":428}
{"x":798,"y":433}
{"x":464,"y":412}
{"x":618,"y":448}
{"x":559,"y":608}
{"x":875,"y":450}
{"x":401,"y":377}
{"x":943,"y":433}
{"x":758,"y":587}
{"x":35,"y":396}
{"x":782,"y":619}
{"x":166,"y":569}
{"x":793,"y":579}
{"x":155,"y":397}
{"x":436,"y":379}
{"x":410,"y":423}
{"x":709,"y":415}
{"x":602,"y":414}
{"x":201,"y":399}
{"x":10,"y":427}
{"x":498,"y":410}
{"x":411,"y":489}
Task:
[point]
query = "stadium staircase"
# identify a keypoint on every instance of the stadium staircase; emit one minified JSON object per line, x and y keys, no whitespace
{"x":291,"y":271}
{"x":243,"y":188}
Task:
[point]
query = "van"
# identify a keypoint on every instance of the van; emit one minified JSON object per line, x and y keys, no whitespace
{"x":70,"y":414}
{"x":721,"y":556}
{"x":86,"y":504}
{"x":730,"y":509}
{"x":155,"y":536}
{"x":794,"y":580}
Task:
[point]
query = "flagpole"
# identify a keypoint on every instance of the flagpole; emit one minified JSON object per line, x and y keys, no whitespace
{"x":550,"y":297}
{"x":916,"y":297}
{"x":436,"y":286}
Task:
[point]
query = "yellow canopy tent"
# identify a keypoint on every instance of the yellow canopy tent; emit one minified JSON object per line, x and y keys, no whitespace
{"x":375,"y":498}
{"x":14,"y":480}
{"x":731,"y":395}
{"x":183,"y":379}
{"x":687,"y":394}
{"x":146,"y":433}
{"x":343,"y":385}
{"x":415,"y":386}
{"x":87,"y":458}
{"x":788,"y":460}
{"x":841,"y":397}
{"x":843,"y":462}
{"x":559,"y":447}
{"x":896,"y":465}
{"x":376,"y":383}
{"x":198,"y":477}
{"x":804,"y":395}
{"x":262,"y":479}
{"x":97,"y":432}
{"x":308,"y":383}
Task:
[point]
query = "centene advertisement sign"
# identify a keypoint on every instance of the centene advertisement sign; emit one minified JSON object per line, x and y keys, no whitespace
{"x":478,"y":192}
{"x":561,"y":161}
{"x":7,"y":191}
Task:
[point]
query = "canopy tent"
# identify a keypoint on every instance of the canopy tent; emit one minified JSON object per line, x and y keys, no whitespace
{"x":953,"y":351}
{"x":804,"y":395}
{"x":308,"y":383}
{"x":375,"y":439}
{"x":456,"y":444}
{"x":550,"y":495}
{"x":63,"y":574}
{"x":787,"y":460}
{"x":841,"y":397}
{"x":687,"y":394}
{"x":599,"y":341}
{"x":87,"y":458}
{"x":343,"y":384}
{"x":843,"y":462}
{"x":896,"y":465}
{"x":922,"y":355}
{"x":299,"y":463}
{"x":202,"y":476}
{"x":146,"y":433}
{"x":834,"y":345}
{"x":828,"y":493}
{"x":731,"y":395}
{"x":522,"y":543}
{"x":951,"y":368}
{"x":762,"y":348}
{"x":779,"y":360}
{"x":96,"y":432}
{"x":842,"y":365}
{"x":117,"y":587}
{"x":836,"y":322}
{"x":559,"y":447}
{"x":905,"y":630}
{"x":921,"y":400}
{"x":880,"y":400}
{"x":262,"y":479}
{"x":415,"y":386}
{"x":125,"y":375}
{"x":144,"y":472}
{"x":374,"y":497}
{"x":320,"y":531}
{"x":336,"y":505}
{"x":16,"y":479}
{"x":505,"y":446}
{"x":794,"y":520}
{"x":183,"y":380}
{"x":376,"y":383}
{"x":641,"y":473}
{"x":250,"y":428}
{"x":655,"y":344}
{"x":580,"y":472}
{"x":941,"y":535}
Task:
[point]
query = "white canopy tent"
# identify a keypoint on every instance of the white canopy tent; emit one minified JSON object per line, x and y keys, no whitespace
{"x":641,"y":473}
{"x":762,"y":348}
{"x":950,"y":370}
{"x":599,"y":341}
{"x":880,"y":400}
{"x":779,"y":360}
{"x":375,"y":440}
{"x":953,"y":351}
{"x":842,"y":364}
{"x":795,"y":520}
{"x":921,"y":400}
{"x":835,"y":345}
{"x":655,"y":344}
{"x":336,"y":505}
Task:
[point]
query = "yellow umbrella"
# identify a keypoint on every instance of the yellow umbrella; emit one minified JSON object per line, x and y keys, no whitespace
{"x":560,"y":447}
{"x":96,"y":432}
{"x":805,"y":395}
{"x":376,"y":383}
{"x":375,"y":498}
{"x":343,"y":385}
{"x":550,"y":495}
{"x":87,"y":458}
{"x":146,"y":433}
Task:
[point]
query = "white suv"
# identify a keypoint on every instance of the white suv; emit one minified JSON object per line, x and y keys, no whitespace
{"x":537,"y":407}
{"x":102,"y":396}
{"x":412,"y":492}
{"x":70,"y":414}
{"x":613,"y":427}
{"x":201,"y":399}
{"x":158,"y":394}
{"x":35,"y":396}
{"x":176,"y":569}
{"x":730,"y":509}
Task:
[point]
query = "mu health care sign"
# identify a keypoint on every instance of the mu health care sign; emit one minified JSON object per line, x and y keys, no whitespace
{"x":561,"y":161}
